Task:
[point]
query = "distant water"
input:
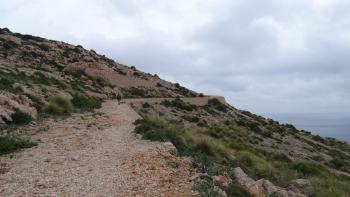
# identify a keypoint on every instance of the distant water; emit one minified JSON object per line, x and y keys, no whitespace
{"x":327,"y":125}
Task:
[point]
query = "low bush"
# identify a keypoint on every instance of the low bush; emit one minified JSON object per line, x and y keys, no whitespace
{"x":21,"y":118}
{"x":85,"y":103}
{"x":59,"y":106}
{"x":10,"y":144}
{"x":214,"y":102}
{"x":135,"y":92}
{"x":180,"y":104}
{"x":184,"y":91}
{"x":156,"y":129}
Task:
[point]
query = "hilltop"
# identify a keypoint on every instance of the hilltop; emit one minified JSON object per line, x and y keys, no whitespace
{"x":43,"y":80}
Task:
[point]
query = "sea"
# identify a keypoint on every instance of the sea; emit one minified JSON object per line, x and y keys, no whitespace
{"x":335,"y":125}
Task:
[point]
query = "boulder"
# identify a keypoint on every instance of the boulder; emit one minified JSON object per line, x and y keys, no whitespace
{"x":263,"y":187}
{"x":253,"y":187}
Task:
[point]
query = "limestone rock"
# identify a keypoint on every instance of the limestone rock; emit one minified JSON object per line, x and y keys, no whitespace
{"x":252,"y":187}
{"x":262,"y":187}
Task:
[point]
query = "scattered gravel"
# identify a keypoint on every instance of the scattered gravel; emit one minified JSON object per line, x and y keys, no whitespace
{"x":95,"y":155}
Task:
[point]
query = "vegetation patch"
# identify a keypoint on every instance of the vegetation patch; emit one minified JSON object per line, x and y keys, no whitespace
{"x":220,"y":148}
{"x":179,"y":104}
{"x":206,"y":188}
{"x":7,"y":79}
{"x":184,"y":91}
{"x":135,"y":92}
{"x":59,"y":106}
{"x":214,"y":102}
{"x":84,"y":102}
{"x":21,"y":118}
{"x":10,"y":144}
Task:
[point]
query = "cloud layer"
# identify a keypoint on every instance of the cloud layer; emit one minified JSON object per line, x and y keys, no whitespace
{"x":269,"y":56}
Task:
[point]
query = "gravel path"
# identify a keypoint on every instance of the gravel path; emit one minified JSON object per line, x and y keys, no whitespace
{"x":94,"y":155}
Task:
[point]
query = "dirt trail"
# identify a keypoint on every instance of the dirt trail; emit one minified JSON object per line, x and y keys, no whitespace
{"x":95,"y":155}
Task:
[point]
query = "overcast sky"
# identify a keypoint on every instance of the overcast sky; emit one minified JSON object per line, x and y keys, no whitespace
{"x":266,"y":56}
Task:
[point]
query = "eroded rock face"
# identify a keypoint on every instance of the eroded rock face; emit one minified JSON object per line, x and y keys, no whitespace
{"x":262,"y":187}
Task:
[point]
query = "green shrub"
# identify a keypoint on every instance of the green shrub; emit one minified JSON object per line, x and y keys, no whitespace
{"x":135,"y":92}
{"x":9,"y":144}
{"x":214,"y":102}
{"x":59,"y":106}
{"x":180,"y":104}
{"x":156,"y":129}
{"x":21,"y":118}
{"x":85,"y":102}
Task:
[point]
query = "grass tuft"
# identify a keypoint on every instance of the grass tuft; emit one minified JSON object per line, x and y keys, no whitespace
{"x":10,"y":144}
{"x":59,"y":106}
{"x":85,"y":103}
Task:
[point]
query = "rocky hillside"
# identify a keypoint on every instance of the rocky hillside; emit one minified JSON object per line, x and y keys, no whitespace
{"x":41,"y":78}
{"x":33,"y":70}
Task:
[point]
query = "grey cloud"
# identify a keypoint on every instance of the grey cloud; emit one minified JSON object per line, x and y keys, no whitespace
{"x":264,"y":56}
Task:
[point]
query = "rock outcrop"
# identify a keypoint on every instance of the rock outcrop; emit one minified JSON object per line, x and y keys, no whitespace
{"x":263,"y":187}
